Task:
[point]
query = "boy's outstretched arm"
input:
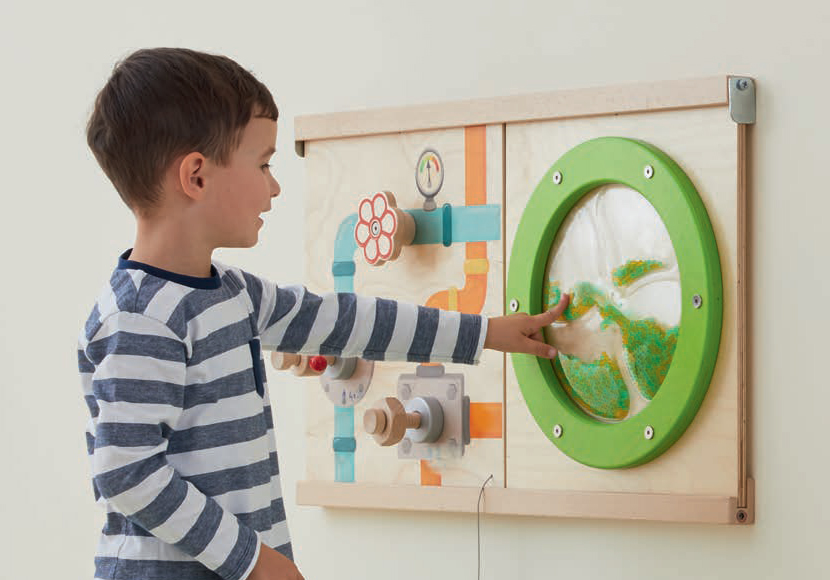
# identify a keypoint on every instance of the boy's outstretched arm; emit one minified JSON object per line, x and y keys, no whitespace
{"x":292,"y":319}
{"x":523,"y":332}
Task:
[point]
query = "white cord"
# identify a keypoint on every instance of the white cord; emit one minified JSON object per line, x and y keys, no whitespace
{"x":478,"y":522}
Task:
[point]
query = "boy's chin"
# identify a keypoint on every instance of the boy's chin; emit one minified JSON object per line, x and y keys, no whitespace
{"x":240,"y":243}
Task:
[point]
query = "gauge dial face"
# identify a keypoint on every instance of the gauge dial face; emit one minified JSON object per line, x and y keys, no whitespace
{"x":429,"y":173}
{"x":344,"y":394}
{"x":347,"y":392}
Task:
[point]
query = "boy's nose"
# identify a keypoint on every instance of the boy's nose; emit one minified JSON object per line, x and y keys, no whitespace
{"x":275,"y":190}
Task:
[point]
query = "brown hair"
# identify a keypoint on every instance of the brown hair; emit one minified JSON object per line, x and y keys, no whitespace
{"x":164,"y":102}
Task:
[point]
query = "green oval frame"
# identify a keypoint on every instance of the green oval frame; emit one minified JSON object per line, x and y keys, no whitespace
{"x":592,"y":164}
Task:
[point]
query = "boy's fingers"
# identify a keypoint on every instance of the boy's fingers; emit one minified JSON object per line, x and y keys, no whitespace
{"x":541,"y":349}
{"x":550,"y":316}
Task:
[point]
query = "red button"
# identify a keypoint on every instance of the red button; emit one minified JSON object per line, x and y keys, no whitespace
{"x":318,"y":363}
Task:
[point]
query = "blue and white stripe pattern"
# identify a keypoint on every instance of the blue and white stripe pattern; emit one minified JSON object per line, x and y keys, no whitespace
{"x":181,"y":436}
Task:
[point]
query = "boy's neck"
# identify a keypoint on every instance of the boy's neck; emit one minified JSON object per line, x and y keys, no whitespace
{"x":166,"y":246}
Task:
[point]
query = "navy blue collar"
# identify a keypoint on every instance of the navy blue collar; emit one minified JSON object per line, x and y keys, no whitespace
{"x":210,"y":283}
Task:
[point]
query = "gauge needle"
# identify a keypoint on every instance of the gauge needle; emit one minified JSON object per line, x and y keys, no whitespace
{"x":429,"y":174}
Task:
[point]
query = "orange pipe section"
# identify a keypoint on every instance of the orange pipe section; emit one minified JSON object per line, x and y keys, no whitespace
{"x":428,"y":475}
{"x":470,"y":298}
{"x":485,"y":421}
{"x":485,"y":418}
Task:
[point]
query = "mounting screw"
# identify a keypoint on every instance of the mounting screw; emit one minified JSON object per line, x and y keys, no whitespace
{"x":406,"y":391}
{"x":648,"y":171}
{"x":697,"y":301}
{"x":742,"y":84}
{"x":741,"y":516}
{"x":557,"y":177}
{"x":406,"y":445}
{"x":557,"y":431}
{"x":649,"y":432}
{"x":452,"y":391}
{"x":514,"y":305}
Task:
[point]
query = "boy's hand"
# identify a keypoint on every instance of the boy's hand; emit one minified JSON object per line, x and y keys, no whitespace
{"x":271,"y":565}
{"x":522,"y":332}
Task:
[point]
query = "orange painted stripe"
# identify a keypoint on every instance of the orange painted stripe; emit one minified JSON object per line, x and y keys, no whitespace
{"x":475,"y":165}
{"x":485,"y":420}
{"x":428,"y":475}
{"x":476,"y":250}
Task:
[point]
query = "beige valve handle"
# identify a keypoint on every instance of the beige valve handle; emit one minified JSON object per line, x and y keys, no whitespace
{"x":382,"y":228}
{"x":387,"y":421}
{"x":301,"y":365}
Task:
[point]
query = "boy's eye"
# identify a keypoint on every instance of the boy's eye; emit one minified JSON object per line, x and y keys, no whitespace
{"x":266,"y":166}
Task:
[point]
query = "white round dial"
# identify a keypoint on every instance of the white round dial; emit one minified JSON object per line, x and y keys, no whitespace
{"x":429,"y":173}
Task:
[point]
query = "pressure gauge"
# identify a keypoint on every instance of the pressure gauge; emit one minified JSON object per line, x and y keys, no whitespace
{"x":429,"y":176}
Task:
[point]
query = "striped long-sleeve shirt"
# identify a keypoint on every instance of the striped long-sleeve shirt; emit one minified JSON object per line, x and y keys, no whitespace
{"x":181,"y":436}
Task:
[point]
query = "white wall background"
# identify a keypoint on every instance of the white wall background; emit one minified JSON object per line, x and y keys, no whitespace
{"x":62,"y":227}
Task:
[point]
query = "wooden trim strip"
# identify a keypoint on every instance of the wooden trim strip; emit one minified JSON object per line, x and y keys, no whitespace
{"x":590,"y":102}
{"x":500,"y":501}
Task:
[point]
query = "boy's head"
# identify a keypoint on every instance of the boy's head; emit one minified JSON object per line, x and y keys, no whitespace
{"x":166,"y":105}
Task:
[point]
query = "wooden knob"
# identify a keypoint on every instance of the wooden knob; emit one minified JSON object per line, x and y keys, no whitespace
{"x":387,"y":421}
{"x":282,"y":361}
{"x":374,"y":421}
{"x":301,"y":365}
{"x":382,"y":228}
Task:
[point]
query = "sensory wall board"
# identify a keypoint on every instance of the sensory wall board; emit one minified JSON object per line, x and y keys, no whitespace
{"x":630,"y":198}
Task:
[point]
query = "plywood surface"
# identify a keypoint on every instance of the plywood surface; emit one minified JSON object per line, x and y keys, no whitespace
{"x":339,"y":172}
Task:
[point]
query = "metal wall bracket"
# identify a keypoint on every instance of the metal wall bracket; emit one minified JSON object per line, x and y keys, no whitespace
{"x":299,"y":148}
{"x":742,"y":100}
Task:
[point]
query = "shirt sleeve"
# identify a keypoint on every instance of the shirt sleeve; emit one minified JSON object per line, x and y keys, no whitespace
{"x":292,"y":319}
{"x":138,"y":385}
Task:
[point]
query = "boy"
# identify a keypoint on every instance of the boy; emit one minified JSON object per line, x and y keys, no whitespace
{"x":180,"y":436}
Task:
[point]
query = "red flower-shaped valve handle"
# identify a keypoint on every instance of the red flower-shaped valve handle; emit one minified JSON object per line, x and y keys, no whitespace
{"x":382,"y":229}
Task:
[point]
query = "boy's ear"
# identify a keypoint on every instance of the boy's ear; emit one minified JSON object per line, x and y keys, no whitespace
{"x":192,"y":175}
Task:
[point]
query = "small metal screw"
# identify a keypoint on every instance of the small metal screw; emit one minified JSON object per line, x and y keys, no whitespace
{"x":648,"y":171}
{"x":514,"y":305}
{"x":697,"y":301}
{"x":557,"y":177}
{"x":741,"y":515}
{"x":406,"y":445}
{"x":452,"y":392}
{"x":557,"y":431}
{"x":406,"y":391}
{"x":742,"y":84}
{"x":649,"y":432}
